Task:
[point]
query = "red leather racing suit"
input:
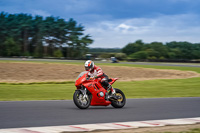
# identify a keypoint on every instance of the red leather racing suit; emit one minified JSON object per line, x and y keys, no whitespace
{"x":98,"y":73}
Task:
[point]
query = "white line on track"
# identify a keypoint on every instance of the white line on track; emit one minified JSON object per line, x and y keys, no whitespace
{"x":103,"y":126}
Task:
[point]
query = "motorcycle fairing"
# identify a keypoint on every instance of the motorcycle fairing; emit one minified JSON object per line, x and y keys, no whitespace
{"x":95,"y":88}
{"x":112,"y":80}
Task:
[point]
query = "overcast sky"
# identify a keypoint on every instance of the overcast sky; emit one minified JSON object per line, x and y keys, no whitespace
{"x":115,"y":23}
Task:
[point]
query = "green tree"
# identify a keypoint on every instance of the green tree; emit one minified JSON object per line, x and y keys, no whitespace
{"x":11,"y":47}
{"x":40,"y":36}
{"x":133,"y":47}
{"x":157,"y":48}
{"x":36,"y":39}
{"x":139,"y":55}
{"x":152,"y":54}
{"x":58,"y":53}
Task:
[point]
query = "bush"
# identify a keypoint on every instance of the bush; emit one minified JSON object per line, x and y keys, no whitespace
{"x":152,"y":58}
{"x":57,"y":53}
{"x":106,"y":55}
{"x":139,"y":55}
{"x":120,"y":56}
{"x":162,"y":58}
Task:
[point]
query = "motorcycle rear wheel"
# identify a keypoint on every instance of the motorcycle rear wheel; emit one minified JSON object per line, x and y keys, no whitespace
{"x":80,"y":101}
{"x":120,"y":102}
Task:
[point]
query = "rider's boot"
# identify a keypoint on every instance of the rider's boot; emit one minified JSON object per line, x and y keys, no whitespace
{"x":112,"y":92}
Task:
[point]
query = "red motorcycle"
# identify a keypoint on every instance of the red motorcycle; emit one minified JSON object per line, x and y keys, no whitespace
{"x":91,"y":92}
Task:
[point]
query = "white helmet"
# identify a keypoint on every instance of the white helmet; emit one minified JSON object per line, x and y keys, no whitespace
{"x":89,"y":65}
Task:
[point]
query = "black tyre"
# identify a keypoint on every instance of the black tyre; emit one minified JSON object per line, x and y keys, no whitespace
{"x":120,"y":102}
{"x":80,"y":101}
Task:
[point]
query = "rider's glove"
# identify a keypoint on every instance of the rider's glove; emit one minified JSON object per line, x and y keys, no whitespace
{"x":91,"y":78}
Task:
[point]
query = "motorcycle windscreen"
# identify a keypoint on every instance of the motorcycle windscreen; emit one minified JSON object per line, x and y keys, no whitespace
{"x":81,"y":78}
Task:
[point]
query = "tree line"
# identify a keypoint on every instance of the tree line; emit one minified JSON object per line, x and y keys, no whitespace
{"x":104,"y":50}
{"x":158,"y":50}
{"x":27,"y":35}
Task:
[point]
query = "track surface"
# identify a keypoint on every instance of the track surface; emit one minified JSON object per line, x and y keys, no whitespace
{"x":52,"y":113}
{"x":136,"y":63}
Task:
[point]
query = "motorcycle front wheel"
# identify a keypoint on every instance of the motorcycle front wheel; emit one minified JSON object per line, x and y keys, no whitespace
{"x":81,"y":101}
{"x":119,"y":103}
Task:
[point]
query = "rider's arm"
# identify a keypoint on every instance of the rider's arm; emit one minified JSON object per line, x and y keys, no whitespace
{"x":90,"y":77}
{"x":99,"y":72}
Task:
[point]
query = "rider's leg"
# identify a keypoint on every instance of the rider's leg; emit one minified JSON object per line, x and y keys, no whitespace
{"x":109,"y":87}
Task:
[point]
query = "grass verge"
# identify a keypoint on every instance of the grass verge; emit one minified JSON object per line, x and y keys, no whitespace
{"x":196,"y":130}
{"x":136,"y":89}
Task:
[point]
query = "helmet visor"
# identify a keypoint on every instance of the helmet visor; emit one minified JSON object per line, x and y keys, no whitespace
{"x":87,"y":68}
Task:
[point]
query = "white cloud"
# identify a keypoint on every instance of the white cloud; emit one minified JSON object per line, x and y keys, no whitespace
{"x":124,"y":26}
{"x":164,"y":28}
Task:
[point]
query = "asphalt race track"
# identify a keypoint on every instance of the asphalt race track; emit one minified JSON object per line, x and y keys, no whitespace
{"x":53,"y":113}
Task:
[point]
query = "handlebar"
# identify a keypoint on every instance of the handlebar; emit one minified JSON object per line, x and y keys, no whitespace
{"x":88,"y":78}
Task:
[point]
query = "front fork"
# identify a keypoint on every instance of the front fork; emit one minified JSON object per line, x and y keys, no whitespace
{"x":84,"y":92}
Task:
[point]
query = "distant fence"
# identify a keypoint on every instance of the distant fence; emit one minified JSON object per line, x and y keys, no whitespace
{"x":163,"y":60}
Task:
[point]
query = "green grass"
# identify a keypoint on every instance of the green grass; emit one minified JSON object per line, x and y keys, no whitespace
{"x":44,"y":62}
{"x":196,"y":130}
{"x":36,"y":92}
{"x":161,"y":88}
{"x":135,"y":89}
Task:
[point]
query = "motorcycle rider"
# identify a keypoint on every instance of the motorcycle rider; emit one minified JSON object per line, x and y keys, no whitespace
{"x":96,"y":72}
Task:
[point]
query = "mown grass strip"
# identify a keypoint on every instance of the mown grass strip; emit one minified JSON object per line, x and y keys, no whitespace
{"x":31,"y":83}
{"x":134,"y":89}
{"x":161,"y":88}
{"x":36,"y":92}
{"x":195,"y":130}
{"x":44,"y":62}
